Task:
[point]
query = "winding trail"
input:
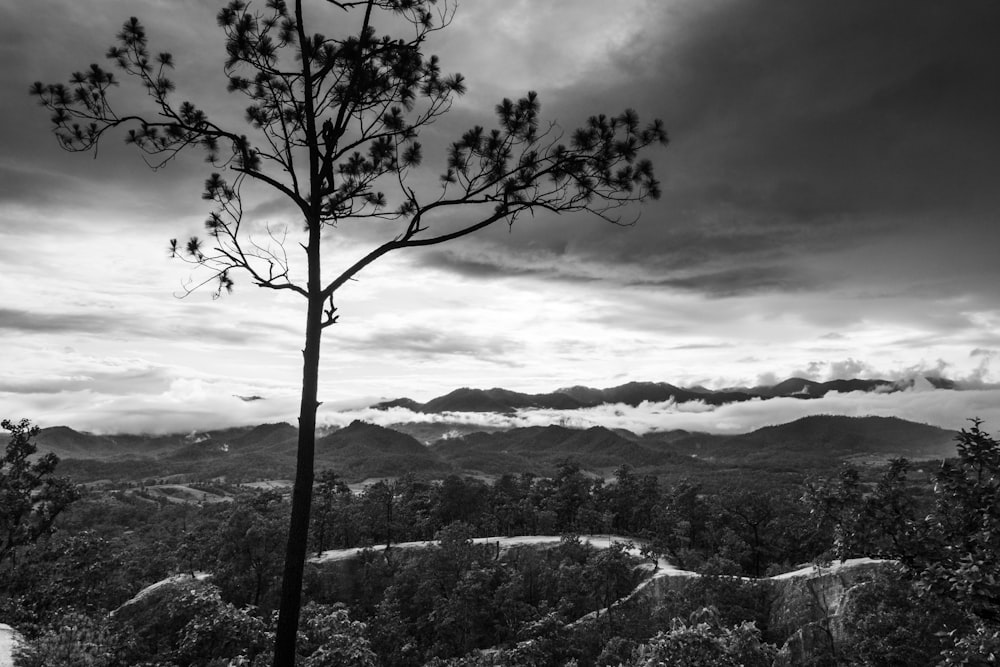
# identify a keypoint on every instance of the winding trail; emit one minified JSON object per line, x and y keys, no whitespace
{"x":662,"y":568}
{"x":504,"y":543}
{"x":658,"y":570}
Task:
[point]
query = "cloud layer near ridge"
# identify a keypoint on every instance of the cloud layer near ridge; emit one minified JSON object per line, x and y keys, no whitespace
{"x":829,"y":210}
{"x":186,"y":404}
{"x":944,"y":408}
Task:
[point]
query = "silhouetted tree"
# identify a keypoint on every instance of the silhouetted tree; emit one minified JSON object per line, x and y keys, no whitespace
{"x":333,"y":125}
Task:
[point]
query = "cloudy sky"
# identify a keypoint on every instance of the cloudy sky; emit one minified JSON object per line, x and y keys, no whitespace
{"x":830,"y":209}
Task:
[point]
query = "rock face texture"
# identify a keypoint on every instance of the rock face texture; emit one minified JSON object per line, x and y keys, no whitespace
{"x":8,"y":637}
{"x":158,"y":611}
{"x":808,"y":606}
{"x":157,"y":595}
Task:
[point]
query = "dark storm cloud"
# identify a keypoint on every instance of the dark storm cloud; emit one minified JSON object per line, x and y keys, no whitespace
{"x":581,"y":249}
{"x":38,"y":172}
{"x":486,"y":262}
{"x":969,"y":334}
{"x":736,"y":281}
{"x":877,"y":106}
{"x":477,"y":266}
{"x":110,"y":381}
{"x":28,"y":323}
{"x":797,"y":127}
{"x":841,"y":89}
{"x":803,"y":129}
{"x":716,"y":263}
{"x":276,"y":207}
{"x":27,"y":186}
{"x":428,"y":343}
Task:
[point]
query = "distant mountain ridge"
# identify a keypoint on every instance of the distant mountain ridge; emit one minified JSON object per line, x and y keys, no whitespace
{"x":501,"y":400}
{"x":361,"y":450}
{"x":822,"y":439}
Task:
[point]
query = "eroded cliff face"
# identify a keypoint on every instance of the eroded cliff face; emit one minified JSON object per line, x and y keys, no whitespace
{"x":805,"y":606}
{"x":149,"y":603}
{"x":808,"y":608}
{"x":8,"y":640}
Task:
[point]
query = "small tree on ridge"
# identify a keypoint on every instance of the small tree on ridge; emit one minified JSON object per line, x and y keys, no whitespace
{"x":31,"y":495}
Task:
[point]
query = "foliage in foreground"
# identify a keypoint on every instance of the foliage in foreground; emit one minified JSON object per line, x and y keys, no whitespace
{"x":704,"y":642}
{"x":31,"y":495}
{"x":451,"y":603}
{"x":946,"y":601}
{"x":197,"y":628}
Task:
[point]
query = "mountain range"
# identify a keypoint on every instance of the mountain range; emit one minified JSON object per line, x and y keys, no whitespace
{"x":634,"y":393}
{"x":361,"y":450}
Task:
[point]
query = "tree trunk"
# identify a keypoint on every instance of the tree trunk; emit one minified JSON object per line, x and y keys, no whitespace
{"x":388,"y":518}
{"x":298,"y":529}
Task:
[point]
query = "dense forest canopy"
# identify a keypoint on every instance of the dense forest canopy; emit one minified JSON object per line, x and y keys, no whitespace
{"x":460,"y":602}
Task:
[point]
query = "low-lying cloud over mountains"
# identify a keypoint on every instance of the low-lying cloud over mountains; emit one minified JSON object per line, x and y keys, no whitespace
{"x":829,"y":211}
{"x":641,"y":407}
{"x":649,"y":407}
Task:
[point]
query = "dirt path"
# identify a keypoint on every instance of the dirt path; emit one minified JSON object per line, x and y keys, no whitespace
{"x":600,"y":541}
{"x":663,"y":567}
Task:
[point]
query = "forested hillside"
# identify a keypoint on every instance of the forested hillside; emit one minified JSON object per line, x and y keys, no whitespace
{"x":463,"y":603}
{"x":362,"y":451}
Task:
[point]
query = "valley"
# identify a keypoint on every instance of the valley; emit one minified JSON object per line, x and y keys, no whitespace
{"x":363,"y":451}
{"x":443,"y":543}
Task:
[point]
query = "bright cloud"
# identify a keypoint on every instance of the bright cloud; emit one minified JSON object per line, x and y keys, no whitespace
{"x":943,"y":408}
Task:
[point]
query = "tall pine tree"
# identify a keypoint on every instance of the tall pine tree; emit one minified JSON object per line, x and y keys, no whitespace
{"x":332,"y":125}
